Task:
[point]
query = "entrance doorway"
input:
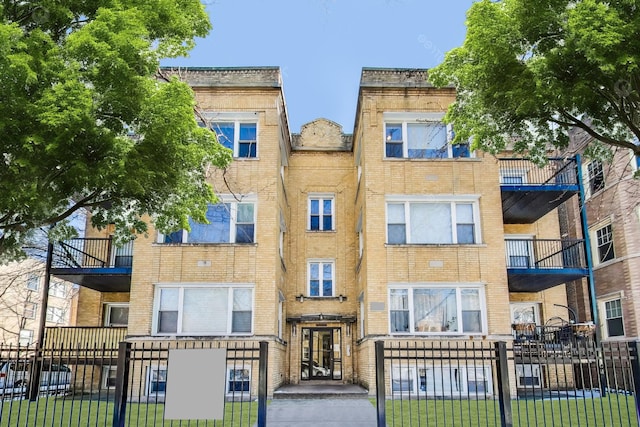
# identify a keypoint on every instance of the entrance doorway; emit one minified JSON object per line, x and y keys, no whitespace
{"x":321,"y":354}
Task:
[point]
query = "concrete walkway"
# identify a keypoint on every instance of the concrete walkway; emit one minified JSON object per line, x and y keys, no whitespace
{"x":321,"y":404}
{"x":322,"y":412}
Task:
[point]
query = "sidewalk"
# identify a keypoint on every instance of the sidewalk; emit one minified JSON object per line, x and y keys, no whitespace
{"x":333,"y":412}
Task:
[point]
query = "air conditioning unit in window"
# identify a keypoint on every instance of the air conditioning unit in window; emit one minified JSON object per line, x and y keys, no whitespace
{"x":528,"y":375}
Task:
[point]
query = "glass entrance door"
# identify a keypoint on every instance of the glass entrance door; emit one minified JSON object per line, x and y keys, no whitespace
{"x":321,"y":354}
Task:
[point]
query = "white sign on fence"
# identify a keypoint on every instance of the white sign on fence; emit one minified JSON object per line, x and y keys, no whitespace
{"x":195,"y":384}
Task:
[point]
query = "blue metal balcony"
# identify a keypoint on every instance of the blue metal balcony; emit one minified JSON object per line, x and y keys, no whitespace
{"x":529,"y":192}
{"x":96,"y":263}
{"x":534,"y":265}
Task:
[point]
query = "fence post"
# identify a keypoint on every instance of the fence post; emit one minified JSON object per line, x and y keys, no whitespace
{"x":380,"y":386}
{"x":122,"y":384}
{"x":635,"y":369}
{"x":262,"y":384}
{"x":504,"y":391}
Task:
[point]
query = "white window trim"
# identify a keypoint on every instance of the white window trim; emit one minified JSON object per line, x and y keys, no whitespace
{"x":25,"y":333}
{"x":237,"y":118}
{"x":534,"y":371}
{"x":148,"y":381}
{"x":34,"y":311}
{"x":424,"y":285}
{"x":229,"y":392}
{"x":593,"y":237}
{"x":181,"y":287}
{"x":521,"y":173}
{"x":233,"y":201}
{"x":107,"y":311}
{"x":603,"y":315}
{"x":58,"y":315}
{"x":333,"y":277}
{"x":474,"y":200}
{"x":322,"y":197}
{"x":586,"y":176}
{"x":105,"y":377}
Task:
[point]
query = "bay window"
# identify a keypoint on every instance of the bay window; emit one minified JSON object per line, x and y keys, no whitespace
{"x":432,"y":221}
{"x":203,"y":310}
{"x":438,"y":308}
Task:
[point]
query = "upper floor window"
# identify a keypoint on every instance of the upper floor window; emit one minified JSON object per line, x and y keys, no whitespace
{"x":116,"y":314}
{"x":56,"y":315}
{"x":594,"y":176}
{"x":33,"y":282}
{"x":613,"y":318}
{"x":421,"y":138}
{"x":432,"y":222}
{"x":230,"y":222}
{"x":321,"y":278}
{"x":604,"y":243}
{"x":239,"y":136}
{"x":30,"y":309}
{"x":203,"y":310}
{"x":321,"y":213}
{"x":436,"y":309}
{"x":25,"y":337}
{"x":58,"y":289}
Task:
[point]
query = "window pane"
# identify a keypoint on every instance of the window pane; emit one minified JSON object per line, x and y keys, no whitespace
{"x":119,"y":315}
{"x":242,"y":299}
{"x":169,"y":299}
{"x":327,"y":288}
{"x":395,"y":213}
{"x":315,"y":207}
{"x":245,"y":212}
{"x":460,"y":150}
{"x":244,"y":233}
{"x":247,"y":149}
{"x":205,"y":310}
{"x":315,"y":223}
{"x":327,"y":223}
{"x":225,"y":132}
{"x":217,"y":231}
{"x":396,"y":234}
{"x":399,"y":299}
{"x":615,"y":328}
{"x":430,"y":223}
{"x":393,"y":132}
{"x":168,"y":321}
{"x":393,"y":150}
{"x":399,"y":320}
{"x":465,"y":233}
{"x":247,"y":131}
{"x":175,"y":237}
{"x":464,"y":213}
{"x":427,"y":140}
{"x":471,"y":310}
{"x":327,"y":207}
{"x":314,"y":270}
{"x":314,"y":288}
{"x":435,"y":310}
{"x":241,"y":321}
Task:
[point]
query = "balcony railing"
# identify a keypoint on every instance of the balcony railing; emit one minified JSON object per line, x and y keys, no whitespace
{"x":545,"y":253}
{"x":525,"y":172}
{"x":92,"y":253}
{"x":84,"y":337}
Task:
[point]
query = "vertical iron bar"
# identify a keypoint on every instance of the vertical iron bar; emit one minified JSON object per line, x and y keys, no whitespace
{"x":122,"y":383}
{"x":504,"y":392}
{"x":262,"y":384}
{"x":635,"y":369}
{"x":380,"y":387}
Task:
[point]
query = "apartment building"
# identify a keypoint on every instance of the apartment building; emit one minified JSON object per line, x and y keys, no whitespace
{"x":325,"y":241}
{"x":21,"y":287}
{"x":613,"y":212}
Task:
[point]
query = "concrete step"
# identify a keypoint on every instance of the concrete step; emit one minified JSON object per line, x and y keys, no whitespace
{"x":321,"y":390}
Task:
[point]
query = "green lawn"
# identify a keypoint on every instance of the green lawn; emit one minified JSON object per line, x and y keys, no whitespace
{"x":67,"y":412}
{"x":612,"y":411}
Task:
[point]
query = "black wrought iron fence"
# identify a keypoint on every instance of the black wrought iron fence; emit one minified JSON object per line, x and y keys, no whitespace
{"x":525,"y":384}
{"x":92,"y":252}
{"x":556,"y":171}
{"x":122,"y":386}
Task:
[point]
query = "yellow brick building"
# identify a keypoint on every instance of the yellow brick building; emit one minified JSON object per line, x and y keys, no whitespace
{"x":325,"y":241}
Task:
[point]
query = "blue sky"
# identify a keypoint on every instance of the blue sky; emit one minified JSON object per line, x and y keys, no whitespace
{"x":322,"y":45}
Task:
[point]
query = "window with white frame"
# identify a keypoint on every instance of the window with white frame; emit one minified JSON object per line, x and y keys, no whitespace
{"x":238,"y":380}
{"x":519,"y":251}
{"x":33,"y":282}
{"x":203,"y":309}
{"x":156,"y":380}
{"x":30,"y":309}
{"x":594,"y":177}
{"x":109,"y":376}
{"x":436,"y":309}
{"x":57,"y":289}
{"x":321,"y":278}
{"x":321,"y":213}
{"x":240,"y":136}
{"x":604,"y":244}
{"x":420,"y":136}
{"x":442,"y":380}
{"x":424,"y":221}
{"x":360,"y":236}
{"x":614,"y":323}
{"x":25,"y":337}
{"x":229,"y":222}
{"x":56,"y":315}
{"x":528,"y":375}
{"x":116,"y":314}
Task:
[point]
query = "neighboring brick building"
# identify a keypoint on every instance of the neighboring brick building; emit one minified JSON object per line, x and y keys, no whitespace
{"x":325,"y":242}
{"x":612,"y":197}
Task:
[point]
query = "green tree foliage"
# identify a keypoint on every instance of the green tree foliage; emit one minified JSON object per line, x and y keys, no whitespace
{"x":86,"y":121}
{"x":530,"y":71}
